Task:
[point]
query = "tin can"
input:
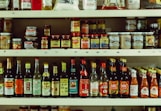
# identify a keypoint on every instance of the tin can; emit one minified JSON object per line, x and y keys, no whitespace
{"x":5,"y":40}
{"x":16,"y":43}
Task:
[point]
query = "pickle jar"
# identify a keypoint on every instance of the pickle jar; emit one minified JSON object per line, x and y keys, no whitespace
{"x":5,"y":40}
{"x":125,"y":40}
{"x":149,"y":40}
{"x":137,"y":40}
{"x":114,"y":40}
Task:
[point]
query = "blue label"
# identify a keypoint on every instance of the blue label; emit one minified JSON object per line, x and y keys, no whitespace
{"x":73,"y":86}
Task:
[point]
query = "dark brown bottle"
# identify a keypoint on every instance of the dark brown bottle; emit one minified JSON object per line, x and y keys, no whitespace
{"x":73,"y":80}
{"x":84,"y":85}
{"x":1,"y":80}
{"x":28,"y":80}
{"x":9,"y":80}
{"x":19,"y":81}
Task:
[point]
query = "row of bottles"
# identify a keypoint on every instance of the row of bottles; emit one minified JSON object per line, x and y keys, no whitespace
{"x":111,"y":78}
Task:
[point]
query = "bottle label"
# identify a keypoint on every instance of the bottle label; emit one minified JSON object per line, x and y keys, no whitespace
{"x":9,"y":86}
{"x":104,"y":42}
{"x":76,"y":42}
{"x":94,"y":88}
{"x":19,"y":86}
{"x":124,"y":87}
{"x":64,"y":87}
{"x":73,"y":86}
{"x":95,"y":43}
{"x":1,"y":88}
{"x":36,"y":87}
{"x":103,"y":88}
{"x":144,"y":91}
{"x":55,"y":88}
{"x":149,"y":40}
{"x":45,"y":88}
{"x":27,"y":86}
{"x":85,"y":43}
{"x":4,"y":3}
{"x":84,"y":87}
{"x":75,"y":26}
{"x":133,"y":90}
{"x":47,"y":2}
{"x":54,"y":43}
{"x":113,"y":87}
{"x":26,"y":4}
{"x":16,"y":4}
{"x":154,"y":91}
{"x":65,"y":43}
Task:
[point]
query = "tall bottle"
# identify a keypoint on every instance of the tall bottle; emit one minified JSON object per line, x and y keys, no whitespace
{"x":19,"y":81}
{"x":103,"y":81}
{"x":124,"y":79}
{"x":94,"y":83}
{"x":64,"y":84}
{"x":55,"y":82}
{"x":73,"y":80}
{"x":84,"y":85}
{"x":159,"y":82}
{"x":28,"y":80}
{"x":9,"y":80}
{"x":153,"y":85}
{"x":1,"y":80}
{"x":113,"y":79}
{"x":144,"y":87}
{"x":37,"y":80}
{"x":46,"y":84}
{"x":134,"y":84}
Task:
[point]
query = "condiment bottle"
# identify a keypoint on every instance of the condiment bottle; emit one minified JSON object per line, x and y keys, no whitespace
{"x":101,"y":27}
{"x":95,"y":41}
{"x":44,"y":43}
{"x":159,"y":82}
{"x":76,"y":40}
{"x":133,"y":84}
{"x":92,"y":27}
{"x":104,"y":41}
{"x":47,"y":30}
{"x":75,"y":25}
{"x":55,"y":41}
{"x":65,"y":41}
{"x":144,"y":87}
{"x":85,"y":27}
{"x":153,"y":85}
{"x":85,"y":41}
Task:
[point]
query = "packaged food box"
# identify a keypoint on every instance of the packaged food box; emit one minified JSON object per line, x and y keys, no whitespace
{"x":150,"y":4}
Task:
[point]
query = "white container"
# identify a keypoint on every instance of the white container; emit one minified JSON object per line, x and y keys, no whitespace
{"x":89,"y":4}
{"x":133,"y":4}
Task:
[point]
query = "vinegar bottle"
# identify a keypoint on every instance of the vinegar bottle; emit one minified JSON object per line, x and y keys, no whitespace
{"x":144,"y":87}
{"x":133,"y":84}
{"x":153,"y":85}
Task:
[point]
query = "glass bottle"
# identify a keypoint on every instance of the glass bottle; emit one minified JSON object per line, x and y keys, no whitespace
{"x":28,"y":80}
{"x":37,"y":80}
{"x":15,"y":4}
{"x":46,"y":84}
{"x":84,"y":85}
{"x":144,"y":87}
{"x":19,"y":81}
{"x":9,"y":80}
{"x":64,"y":84}
{"x":124,"y":79}
{"x":94,"y":83}
{"x":1,"y":80}
{"x":159,"y":82}
{"x":55,"y":82}
{"x":133,"y":84}
{"x":103,"y":81}
{"x":113,"y":79}
{"x":153,"y":85}
{"x":73,"y":80}
{"x":47,"y":30}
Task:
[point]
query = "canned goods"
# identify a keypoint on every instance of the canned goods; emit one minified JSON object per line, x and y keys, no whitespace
{"x":5,"y":40}
{"x":16,"y":43}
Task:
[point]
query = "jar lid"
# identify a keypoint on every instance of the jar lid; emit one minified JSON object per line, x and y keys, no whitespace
{"x":5,"y":34}
{"x":149,"y":33}
{"x":137,"y":33}
{"x":124,"y":33}
{"x":31,"y":27}
{"x":113,"y":33}
{"x":16,"y":39}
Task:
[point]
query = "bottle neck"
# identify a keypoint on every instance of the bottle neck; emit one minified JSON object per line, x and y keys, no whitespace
{"x":18,"y":68}
{"x":36,"y":67}
{"x":63,"y":67}
{"x":9,"y":67}
{"x":55,"y":70}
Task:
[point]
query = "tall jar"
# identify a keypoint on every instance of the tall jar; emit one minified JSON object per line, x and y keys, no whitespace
{"x":5,"y":40}
{"x":130,"y":24}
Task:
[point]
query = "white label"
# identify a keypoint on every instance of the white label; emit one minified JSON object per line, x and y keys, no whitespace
{"x":133,"y":90}
{"x":114,"y":41}
{"x":55,"y":88}
{"x":47,"y":2}
{"x":9,"y":86}
{"x":36,"y":86}
{"x":1,"y":88}
{"x":25,"y":4}
{"x":15,"y":3}
{"x":27,"y":86}
{"x":94,"y":88}
{"x":4,"y":3}
{"x":154,"y":90}
{"x":46,"y":88}
{"x":145,"y":91}
{"x":89,"y":4}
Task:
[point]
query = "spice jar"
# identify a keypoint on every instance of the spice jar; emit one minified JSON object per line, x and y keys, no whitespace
{"x":137,"y":40}
{"x":125,"y":40}
{"x":65,"y":41}
{"x":55,"y":41}
{"x":76,"y":40}
{"x":44,"y":42}
{"x":104,"y":41}
{"x":95,"y":42}
{"x":133,"y":4}
{"x":149,"y":40}
{"x":85,"y":41}
{"x":5,"y":40}
{"x":130,"y":24}
{"x":31,"y":31}
{"x":114,"y":40}
{"x":16,"y":43}
{"x":7,"y":25}
{"x":31,"y":43}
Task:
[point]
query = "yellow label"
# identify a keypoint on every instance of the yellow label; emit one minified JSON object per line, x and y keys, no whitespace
{"x":65,"y":43}
{"x":64,"y":87}
{"x":150,"y":40}
{"x":1,"y":70}
{"x":76,"y":42}
{"x":27,"y":65}
{"x":55,"y":43}
{"x":158,"y":1}
{"x":46,"y":74}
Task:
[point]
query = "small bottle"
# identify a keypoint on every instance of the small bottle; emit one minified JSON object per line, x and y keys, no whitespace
{"x":85,"y":41}
{"x":159,"y":82}
{"x":104,"y":41}
{"x":47,"y":30}
{"x":44,"y":43}
{"x":9,"y":80}
{"x":76,"y":40}
{"x":46,"y":84}
{"x":19,"y":81}
{"x":28,"y":80}
{"x":95,"y":41}
{"x":153,"y":85}
{"x":1,"y":79}
{"x":85,"y":27}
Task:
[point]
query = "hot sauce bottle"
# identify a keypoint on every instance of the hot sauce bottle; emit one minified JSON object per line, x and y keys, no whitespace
{"x":153,"y":85}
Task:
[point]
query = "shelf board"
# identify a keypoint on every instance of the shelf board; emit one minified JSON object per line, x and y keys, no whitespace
{"x":82,"y":101}
{"x":79,"y":52}
{"x":81,"y":13}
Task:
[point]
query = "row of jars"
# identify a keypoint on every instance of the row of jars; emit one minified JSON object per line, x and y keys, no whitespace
{"x":112,"y":40}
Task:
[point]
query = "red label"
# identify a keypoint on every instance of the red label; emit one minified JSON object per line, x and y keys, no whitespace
{"x":124,"y":87}
{"x":103,"y":88}
{"x":84,"y":87}
{"x":113,"y":87}
{"x":19,"y":86}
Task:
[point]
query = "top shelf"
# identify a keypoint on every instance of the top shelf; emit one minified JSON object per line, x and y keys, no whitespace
{"x":81,"y":13}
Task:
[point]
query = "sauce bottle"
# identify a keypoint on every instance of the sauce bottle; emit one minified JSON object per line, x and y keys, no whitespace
{"x":95,"y":41}
{"x":84,"y":85}
{"x":133,"y":84}
{"x":1,"y":80}
{"x":154,"y":85}
{"x":55,"y":41}
{"x":85,"y":41}
{"x":159,"y":82}
{"x":144,"y":87}
{"x":66,"y":41}
{"x":76,"y":40}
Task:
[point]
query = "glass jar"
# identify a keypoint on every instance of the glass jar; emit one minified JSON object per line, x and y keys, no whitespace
{"x":47,"y":5}
{"x":149,"y":40}
{"x":55,"y":41}
{"x":44,"y":42}
{"x":16,"y":43}
{"x":7,"y":25}
{"x":104,"y":41}
{"x":4,"y":4}
{"x":125,"y":40}
{"x":5,"y":40}
{"x":133,"y":4}
{"x":76,"y":40}
{"x":75,"y":25}
{"x":130,"y":24}
{"x":114,"y":40}
{"x":65,"y":41}
{"x":85,"y":41}
{"x":31,"y":31}
{"x":137,"y":40}
{"x":31,"y":43}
